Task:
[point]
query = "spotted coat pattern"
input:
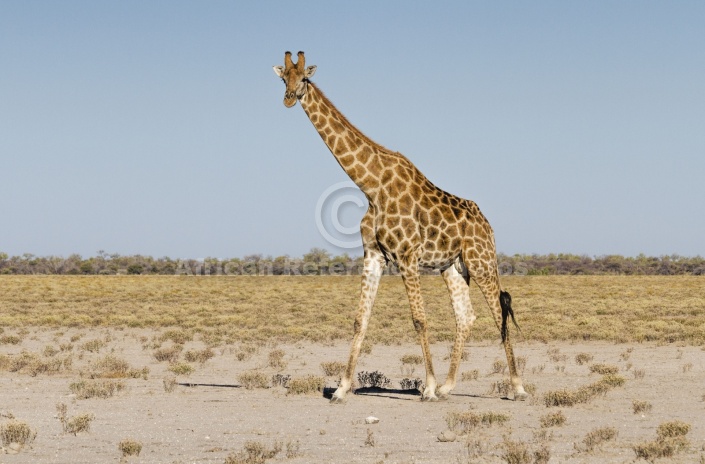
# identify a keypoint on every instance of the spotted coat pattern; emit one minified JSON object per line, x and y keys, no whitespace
{"x":409,"y":222}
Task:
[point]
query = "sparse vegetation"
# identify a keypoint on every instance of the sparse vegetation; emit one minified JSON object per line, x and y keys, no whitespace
{"x":306,"y":384}
{"x":16,"y":431}
{"x":583,"y":358}
{"x":133,"y":301}
{"x":253,"y":379}
{"x":93,"y":345}
{"x":670,"y":439}
{"x":85,"y":389}
{"x":254,"y":452}
{"x":604,"y":369}
{"x":333,"y":368}
{"x":464,"y":422}
{"x":552,"y":419}
{"x":373,"y":379}
{"x":413,"y":359}
{"x":181,"y":369}
{"x":129,"y":447}
{"x":112,"y":367}
{"x":169,"y":384}
{"x":596,"y":437}
{"x":199,"y":356}
{"x":641,"y":406}
{"x":276,"y":359}
{"x":470,"y":375}
{"x":566,"y":397}
{"x":280,"y":380}
{"x":169,"y":354}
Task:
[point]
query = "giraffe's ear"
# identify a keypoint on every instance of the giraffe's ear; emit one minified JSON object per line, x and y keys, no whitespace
{"x":279,"y":71}
{"x":310,"y":71}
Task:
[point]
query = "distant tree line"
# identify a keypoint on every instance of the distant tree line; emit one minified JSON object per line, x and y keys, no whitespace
{"x":321,"y":262}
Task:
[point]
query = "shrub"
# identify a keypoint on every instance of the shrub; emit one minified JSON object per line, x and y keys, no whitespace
{"x":178,"y":336}
{"x":253,"y":379}
{"x":280,"y":380}
{"x":415,"y":359}
{"x":641,"y":406}
{"x":409,"y":384}
{"x":470,"y":375}
{"x":373,"y":379}
{"x":276,"y":359}
{"x":254,"y":452}
{"x":79,"y":423}
{"x":516,"y":452}
{"x":604,"y":369}
{"x":333,"y":368}
{"x":112,"y":367}
{"x":170,"y":354}
{"x":596,"y":437}
{"x":200,"y":356}
{"x":17,"y":432}
{"x":130,"y":447}
{"x":169,"y":384}
{"x":554,"y":419}
{"x":307,"y":384}
{"x":583,"y":358}
{"x":181,"y":369}
{"x":464,"y":422}
{"x":670,"y":439}
{"x":93,"y":345}
{"x":85,"y":389}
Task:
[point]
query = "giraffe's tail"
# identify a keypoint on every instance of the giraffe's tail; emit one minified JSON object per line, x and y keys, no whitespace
{"x":505,"y":301}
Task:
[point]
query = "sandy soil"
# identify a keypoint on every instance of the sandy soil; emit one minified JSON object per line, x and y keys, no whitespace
{"x":204,"y":424}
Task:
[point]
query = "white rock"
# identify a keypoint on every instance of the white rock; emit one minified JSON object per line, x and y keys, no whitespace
{"x":371,"y":420}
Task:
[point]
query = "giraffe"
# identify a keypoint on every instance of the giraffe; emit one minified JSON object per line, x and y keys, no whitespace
{"x":409,"y":222}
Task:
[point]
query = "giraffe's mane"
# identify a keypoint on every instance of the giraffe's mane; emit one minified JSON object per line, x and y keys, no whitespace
{"x":341,"y":117}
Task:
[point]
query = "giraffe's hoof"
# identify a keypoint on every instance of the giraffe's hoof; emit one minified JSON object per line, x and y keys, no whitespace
{"x":520,"y":396}
{"x":429,"y":398}
{"x":337,"y":399}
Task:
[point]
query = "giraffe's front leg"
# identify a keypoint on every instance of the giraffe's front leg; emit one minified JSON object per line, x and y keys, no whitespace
{"x":464,"y":317}
{"x":370,"y":282}
{"x":410,"y":275}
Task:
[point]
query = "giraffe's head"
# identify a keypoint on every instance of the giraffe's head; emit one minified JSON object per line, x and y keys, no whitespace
{"x":295,"y":77}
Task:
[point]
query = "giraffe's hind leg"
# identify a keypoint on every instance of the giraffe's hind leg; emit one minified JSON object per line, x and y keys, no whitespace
{"x":464,"y":318}
{"x":488,"y":280}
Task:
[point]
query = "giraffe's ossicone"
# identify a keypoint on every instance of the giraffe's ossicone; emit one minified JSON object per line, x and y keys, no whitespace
{"x":412,"y":223}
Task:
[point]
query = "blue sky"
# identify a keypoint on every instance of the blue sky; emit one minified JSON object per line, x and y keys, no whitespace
{"x":158,"y":127}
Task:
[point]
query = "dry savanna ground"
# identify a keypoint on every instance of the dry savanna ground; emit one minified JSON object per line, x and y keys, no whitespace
{"x":236,"y":369}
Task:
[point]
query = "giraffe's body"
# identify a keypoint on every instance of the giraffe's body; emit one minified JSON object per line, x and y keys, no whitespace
{"x":411,"y":223}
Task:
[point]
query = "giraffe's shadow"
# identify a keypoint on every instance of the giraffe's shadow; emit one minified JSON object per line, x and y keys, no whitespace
{"x":393,"y":393}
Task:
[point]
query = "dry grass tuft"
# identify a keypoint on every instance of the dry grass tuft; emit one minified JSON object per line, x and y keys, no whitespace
{"x":254,"y":452}
{"x":596,"y":437}
{"x":307,"y":384}
{"x":18,"y":432}
{"x":412,"y":359}
{"x":93,"y":346}
{"x":253,"y":379}
{"x":33,"y":364}
{"x":464,"y":422}
{"x":80,"y":423}
{"x":470,"y":375}
{"x":670,"y":439}
{"x":181,"y":369}
{"x":333,"y":368}
{"x":85,"y":389}
{"x":199,"y":356}
{"x":169,"y":384}
{"x":604,"y":369}
{"x":641,"y":406}
{"x":177,"y":336}
{"x":112,"y":367}
{"x":276,"y":359}
{"x":129,"y":447}
{"x":583,"y":358}
{"x":169,"y":354}
{"x":10,"y":340}
{"x":516,"y":452}
{"x":498,"y":367}
{"x":565,"y":397}
{"x":552,"y":419}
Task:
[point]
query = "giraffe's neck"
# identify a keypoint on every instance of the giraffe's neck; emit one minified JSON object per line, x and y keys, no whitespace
{"x":359,"y":156}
